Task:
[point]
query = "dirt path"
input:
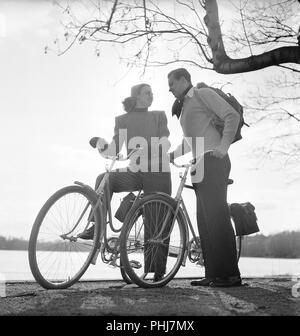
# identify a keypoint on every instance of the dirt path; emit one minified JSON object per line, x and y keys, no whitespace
{"x":261,"y":296}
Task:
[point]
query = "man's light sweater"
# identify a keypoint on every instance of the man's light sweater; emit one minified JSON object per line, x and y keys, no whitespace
{"x":198,"y":110}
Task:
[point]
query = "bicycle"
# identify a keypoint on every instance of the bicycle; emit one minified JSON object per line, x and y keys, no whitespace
{"x":57,"y":256}
{"x":169,"y":243}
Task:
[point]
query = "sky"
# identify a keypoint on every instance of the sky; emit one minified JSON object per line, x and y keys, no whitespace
{"x":50,"y":106}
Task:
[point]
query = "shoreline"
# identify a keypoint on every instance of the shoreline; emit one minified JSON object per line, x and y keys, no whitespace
{"x":272,"y":296}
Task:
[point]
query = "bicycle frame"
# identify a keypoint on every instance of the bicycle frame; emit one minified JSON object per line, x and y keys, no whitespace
{"x":180,"y":200}
{"x":103,"y":200}
{"x":180,"y":206}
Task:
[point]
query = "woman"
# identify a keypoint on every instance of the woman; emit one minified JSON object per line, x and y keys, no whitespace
{"x":149,"y":169}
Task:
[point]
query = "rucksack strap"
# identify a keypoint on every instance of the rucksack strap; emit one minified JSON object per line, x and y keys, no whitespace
{"x":202,"y":102}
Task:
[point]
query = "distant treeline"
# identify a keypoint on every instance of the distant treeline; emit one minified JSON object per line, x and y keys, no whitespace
{"x":22,"y":244}
{"x":13,"y":244}
{"x":281,"y":245}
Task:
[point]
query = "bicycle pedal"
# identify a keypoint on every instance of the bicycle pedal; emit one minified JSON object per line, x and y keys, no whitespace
{"x":200,"y":263}
{"x":113,"y":263}
{"x":135,"y":264}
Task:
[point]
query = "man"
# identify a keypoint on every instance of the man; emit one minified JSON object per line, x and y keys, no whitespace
{"x":196,"y":108}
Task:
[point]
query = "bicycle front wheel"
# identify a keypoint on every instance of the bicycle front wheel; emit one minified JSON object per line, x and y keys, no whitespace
{"x":57,"y":256}
{"x":153,"y":242}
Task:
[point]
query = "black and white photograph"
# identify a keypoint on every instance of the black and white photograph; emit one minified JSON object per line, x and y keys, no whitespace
{"x":150,"y":161}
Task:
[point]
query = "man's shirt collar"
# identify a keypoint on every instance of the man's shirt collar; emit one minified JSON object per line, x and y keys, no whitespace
{"x":190,"y":93}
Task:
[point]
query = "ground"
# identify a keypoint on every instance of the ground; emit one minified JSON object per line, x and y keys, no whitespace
{"x":260,"y":296}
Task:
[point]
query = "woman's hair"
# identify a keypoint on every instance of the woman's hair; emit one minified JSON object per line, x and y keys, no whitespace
{"x":130,"y":102}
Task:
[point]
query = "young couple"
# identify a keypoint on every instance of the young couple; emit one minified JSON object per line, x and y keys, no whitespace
{"x":194,"y":109}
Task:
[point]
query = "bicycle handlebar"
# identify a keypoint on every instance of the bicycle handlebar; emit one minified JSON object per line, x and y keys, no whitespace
{"x":120,"y":157}
{"x":192,"y":162}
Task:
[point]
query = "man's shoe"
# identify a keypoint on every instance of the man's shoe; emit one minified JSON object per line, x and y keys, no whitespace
{"x":202,"y":282}
{"x":235,"y":281}
{"x":87,"y":234}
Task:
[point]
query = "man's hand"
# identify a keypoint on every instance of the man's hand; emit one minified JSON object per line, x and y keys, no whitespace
{"x":93,"y":142}
{"x":219,"y":152}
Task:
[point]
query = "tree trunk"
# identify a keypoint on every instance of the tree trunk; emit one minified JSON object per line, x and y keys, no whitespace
{"x":226,"y":65}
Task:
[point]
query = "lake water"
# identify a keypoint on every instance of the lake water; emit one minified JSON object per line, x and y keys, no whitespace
{"x":14,"y":266}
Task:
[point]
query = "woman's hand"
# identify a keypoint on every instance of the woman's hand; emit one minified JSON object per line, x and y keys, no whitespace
{"x":99,"y":143}
{"x":93,"y":142}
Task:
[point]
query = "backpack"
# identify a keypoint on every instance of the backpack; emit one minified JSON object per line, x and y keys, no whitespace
{"x":217,"y":122}
{"x":244,"y":217}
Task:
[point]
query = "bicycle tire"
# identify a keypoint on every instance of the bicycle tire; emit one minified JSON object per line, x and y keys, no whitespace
{"x":125,"y":277}
{"x":87,"y":249}
{"x":175,"y":247}
{"x":238,"y":240}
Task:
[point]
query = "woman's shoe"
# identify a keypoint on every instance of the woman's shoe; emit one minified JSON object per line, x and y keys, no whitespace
{"x":158,"y":277}
{"x":202,"y":282}
{"x":87,"y":234}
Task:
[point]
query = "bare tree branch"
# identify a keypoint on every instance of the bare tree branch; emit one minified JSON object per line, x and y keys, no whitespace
{"x":112,"y":14}
{"x":264,"y":34}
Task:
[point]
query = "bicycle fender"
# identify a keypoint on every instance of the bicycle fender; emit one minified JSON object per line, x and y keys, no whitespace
{"x":171,"y":199}
{"x":85,"y":186}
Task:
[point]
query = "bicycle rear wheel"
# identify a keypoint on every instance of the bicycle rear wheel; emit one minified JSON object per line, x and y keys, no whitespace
{"x":124,"y":275}
{"x":57,"y":257}
{"x":152,"y":243}
{"x":238,"y":241}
